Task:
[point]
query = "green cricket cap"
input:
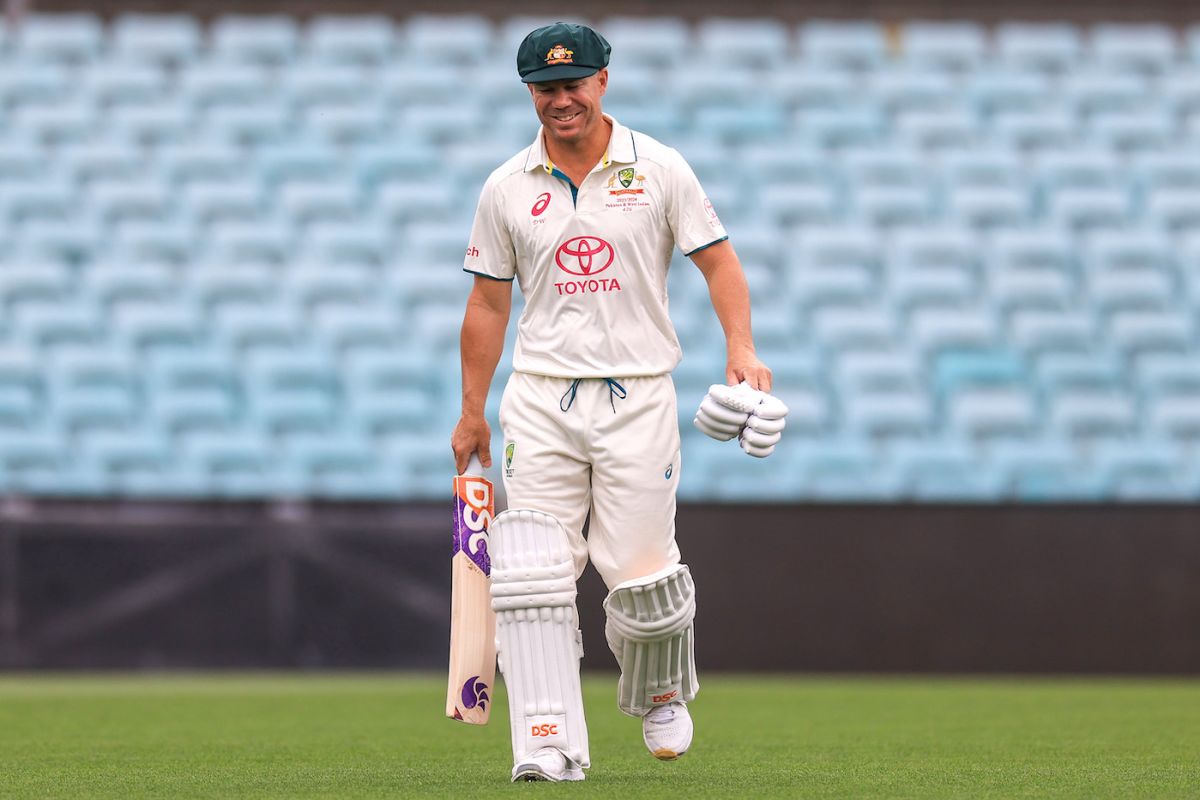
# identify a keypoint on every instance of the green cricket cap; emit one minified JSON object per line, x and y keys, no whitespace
{"x":561,"y":51}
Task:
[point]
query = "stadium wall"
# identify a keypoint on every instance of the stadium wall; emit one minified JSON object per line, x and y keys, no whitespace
{"x":872,"y":588}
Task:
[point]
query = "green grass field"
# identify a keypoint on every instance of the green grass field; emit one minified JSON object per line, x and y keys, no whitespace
{"x":385,"y":736}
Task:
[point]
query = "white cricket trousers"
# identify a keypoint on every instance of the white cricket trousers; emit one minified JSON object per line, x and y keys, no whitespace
{"x":608,"y":447}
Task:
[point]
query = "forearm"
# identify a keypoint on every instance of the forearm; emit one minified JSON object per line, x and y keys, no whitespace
{"x":731,"y":300}
{"x":481,"y":344}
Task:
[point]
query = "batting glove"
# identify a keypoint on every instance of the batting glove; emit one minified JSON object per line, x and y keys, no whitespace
{"x":755,"y":418}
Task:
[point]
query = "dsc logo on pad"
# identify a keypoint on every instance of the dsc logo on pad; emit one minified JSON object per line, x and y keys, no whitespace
{"x":544,"y":730}
{"x":662,"y":698}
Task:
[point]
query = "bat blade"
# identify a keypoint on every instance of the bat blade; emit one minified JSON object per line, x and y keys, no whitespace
{"x":472,"y":674}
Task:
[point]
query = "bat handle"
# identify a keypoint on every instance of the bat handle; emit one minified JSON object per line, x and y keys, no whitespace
{"x":474,"y":466}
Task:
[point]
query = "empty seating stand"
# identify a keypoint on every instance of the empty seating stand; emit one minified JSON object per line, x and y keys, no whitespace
{"x":230,"y":249}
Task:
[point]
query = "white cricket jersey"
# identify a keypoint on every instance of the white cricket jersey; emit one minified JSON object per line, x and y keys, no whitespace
{"x":592,"y":262}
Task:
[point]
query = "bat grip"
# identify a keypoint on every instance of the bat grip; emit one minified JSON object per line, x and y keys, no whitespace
{"x":474,"y":466}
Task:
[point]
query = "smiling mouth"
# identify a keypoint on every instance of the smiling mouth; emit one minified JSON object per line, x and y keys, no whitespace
{"x":566,"y":117}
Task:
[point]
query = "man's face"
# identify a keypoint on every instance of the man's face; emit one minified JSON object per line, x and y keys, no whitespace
{"x":569,"y":109}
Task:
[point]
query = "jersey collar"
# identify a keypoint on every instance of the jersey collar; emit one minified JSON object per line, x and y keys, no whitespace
{"x":620,"y":149}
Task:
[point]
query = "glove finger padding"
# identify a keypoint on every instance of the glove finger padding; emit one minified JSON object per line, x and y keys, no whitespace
{"x":720,"y":431}
{"x":755,"y":450}
{"x":771,"y":407}
{"x":711,"y":407}
{"x":739,"y":398}
{"x":757,"y":423}
{"x":760,"y":439}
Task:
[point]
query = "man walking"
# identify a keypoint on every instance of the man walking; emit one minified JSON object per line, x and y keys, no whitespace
{"x":586,"y":219}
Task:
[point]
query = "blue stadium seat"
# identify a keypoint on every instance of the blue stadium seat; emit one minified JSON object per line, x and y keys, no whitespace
{"x":842,"y":327}
{"x":244,"y":326}
{"x":841,"y":127}
{"x":268,"y":122}
{"x":1078,"y":168}
{"x":943,"y":469}
{"x":1089,"y":209}
{"x":798,"y":206}
{"x":1037,"y":330}
{"x":1139,"y":290}
{"x":75,"y":37}
{"x":1174,"y":415}
{"x":1178,"y":169}
{"x":996,"y":89}
{"x":830,"y":286}
{"x":955,"y":370}
{"x":348,"y":39}
{"x":171,"y":38}
{"x":133,"y":84}
{"x":811,"y":85}
{"x":878,"y":370}
{"x":271,"y":39}
{"x":1143,"y":47}
{"x":1093,"y":371}
{"x":469,"y":36}
{"x":1032,"y":249}
{"x":177,"y":411}
{"x":33,"y":281}
{"x":984,"y":167}
{"x":841,"y":469}
{"x":217,"y":83}
{"x":1134,"y":331}
{"x":988,"y":208}
{"x":1044,"y":469}
{"x":1039,"y":46}
{"x":46,"y":323}
{"x":939,"y":130}
{"x":1149,"y":129}
{"x":892,"y":206}
{"x":1174,"y":209}
{"x":989,"y":411}
{"x":1165,"y":373}
{"x":1087,"y":91}
{"x":1050,"y":128}
{"x":1088,"y":413}
{"x":658,"y":41}
{"x":115,"y":282}
{"x":896,"y":411}
{"x":19,"y":407}
{"x":897,"y":90}
{"x":97,"y":408}
{"x":331,"y":85}
{"x":306,"y":201}
{"x":739,"y":42}
{"x":934,"y":329}
{"x":846,"y":44}
{"x":286,"y":413}
{"x":944,"y":45}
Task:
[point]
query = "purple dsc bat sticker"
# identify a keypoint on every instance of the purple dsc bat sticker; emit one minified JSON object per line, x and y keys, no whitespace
{"x":475,"y":693}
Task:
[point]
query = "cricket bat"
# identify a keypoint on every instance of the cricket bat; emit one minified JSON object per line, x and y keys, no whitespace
{"x":472,"y":621}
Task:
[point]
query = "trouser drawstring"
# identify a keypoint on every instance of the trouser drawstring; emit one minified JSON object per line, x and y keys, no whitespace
{"x":614,"y":390}
{"x":569,"y":395}
{"x":617,"y":390}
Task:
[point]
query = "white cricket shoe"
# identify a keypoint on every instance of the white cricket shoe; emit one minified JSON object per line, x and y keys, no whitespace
{"x":667,"y":731}
{"x":547,"y":764}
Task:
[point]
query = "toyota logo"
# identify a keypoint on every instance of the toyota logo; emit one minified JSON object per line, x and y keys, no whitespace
{"x":584,"y":255}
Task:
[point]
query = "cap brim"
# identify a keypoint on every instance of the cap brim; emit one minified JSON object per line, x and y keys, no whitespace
{"x":559,"y":72}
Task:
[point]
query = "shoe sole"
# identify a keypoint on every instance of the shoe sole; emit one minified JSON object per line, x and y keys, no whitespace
{"x":663,"y":754}
{"x":532,"y":776}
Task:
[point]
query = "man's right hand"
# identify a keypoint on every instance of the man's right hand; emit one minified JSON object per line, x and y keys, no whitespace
{"x":471,"y":435}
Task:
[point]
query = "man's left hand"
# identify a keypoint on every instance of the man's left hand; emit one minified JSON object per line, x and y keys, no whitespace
{"x":748,"y":368}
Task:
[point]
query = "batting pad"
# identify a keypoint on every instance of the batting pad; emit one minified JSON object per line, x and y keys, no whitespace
{"x":649,"y":630}
{"x":537,"y":637}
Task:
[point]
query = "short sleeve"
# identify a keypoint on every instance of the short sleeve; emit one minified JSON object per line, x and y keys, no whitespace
{"x":692,"y":217}
{"x":490,"y":251}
